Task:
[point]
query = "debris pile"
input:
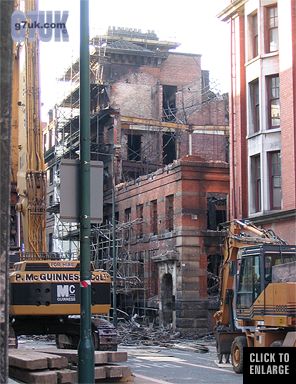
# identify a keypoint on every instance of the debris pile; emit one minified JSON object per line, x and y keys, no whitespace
{"x":131,"y":333}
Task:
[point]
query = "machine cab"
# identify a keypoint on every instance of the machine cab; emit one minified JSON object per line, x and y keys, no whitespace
{"x":256,"y":270}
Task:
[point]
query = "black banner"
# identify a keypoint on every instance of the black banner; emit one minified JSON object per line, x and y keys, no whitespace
{"x":274,"y":365}
{"x":60,"y":293}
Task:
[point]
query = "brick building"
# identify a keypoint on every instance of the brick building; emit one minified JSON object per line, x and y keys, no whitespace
{"x":263,"y":113}
{"x":151,"y":108}
{"x":175,"y":210}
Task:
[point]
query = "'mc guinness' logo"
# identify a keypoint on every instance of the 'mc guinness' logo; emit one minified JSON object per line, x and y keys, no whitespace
{"x":66,"y":292}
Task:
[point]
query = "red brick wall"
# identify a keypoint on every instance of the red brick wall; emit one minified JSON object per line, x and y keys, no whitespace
{"x":189,"y":181}
{"x":288,"y":156}
{"x":180,"y":69}
{"x":238,"y":143}
{"x":206,"y":146}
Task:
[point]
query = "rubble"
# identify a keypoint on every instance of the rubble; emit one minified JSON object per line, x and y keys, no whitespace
{"x":131,"y":333}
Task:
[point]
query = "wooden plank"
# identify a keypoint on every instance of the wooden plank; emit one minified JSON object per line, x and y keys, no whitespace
{"x":70,"y":354}
{"x":117,"y":357}
{"x":33,"y":377}
{"x":56,"y":361}
{"x":117,"y":371}
{"x":100,"y":357}
{"x":100,"y":373}
{"x":27,"y":359}
{"x":67,"y":376}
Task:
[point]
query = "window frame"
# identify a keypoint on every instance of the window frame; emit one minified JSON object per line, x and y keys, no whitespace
{"x":255,"y":35}
{"x":271,"y":177}
{"x":255,"y":105}
{"x":256,"y":182}
{"x":270,"y":28}
{"x":271,"y":99}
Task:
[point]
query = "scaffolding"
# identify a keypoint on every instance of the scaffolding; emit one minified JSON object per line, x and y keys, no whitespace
{"x":134,"y":267}
{"x":130,"y":267}
{"x":65,"y":125}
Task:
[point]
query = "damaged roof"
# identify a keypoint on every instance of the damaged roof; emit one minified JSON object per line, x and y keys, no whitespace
{"x":124,"y":45}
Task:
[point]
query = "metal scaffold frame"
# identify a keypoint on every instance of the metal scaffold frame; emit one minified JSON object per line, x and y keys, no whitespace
{"x":130,"y":267}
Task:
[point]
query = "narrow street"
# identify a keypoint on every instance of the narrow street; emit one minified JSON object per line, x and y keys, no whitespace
{"x":160,"y":365}
{"x":178,"y":366}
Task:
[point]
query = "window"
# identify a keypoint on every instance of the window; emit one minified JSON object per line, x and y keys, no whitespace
{"x":216,"y":212}
{"x":51,"y":175}
{"x":275,"y":182}
{"x":255,"y":106}
{"x":134,"y":147}
{"x":273,"y":91}
{"x":249,"y":286}
{"x":254,"y":31}
{"x":272,"y":40}
{"x":50,"y":135}
{"x":256,"y":183}
{"x":213,"y":273}
{"x":153,"y":217}
{"x":169,"y":209}
{"x":140,"y":220}
{"x":50,"y":242}
{"x":44,"y":142}
{"x":127,"y":219}
{"x":169,"y":102}
{"x":168,"y":147}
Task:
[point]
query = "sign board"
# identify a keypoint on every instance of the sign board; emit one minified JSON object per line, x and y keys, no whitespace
{"x":69,"y":191}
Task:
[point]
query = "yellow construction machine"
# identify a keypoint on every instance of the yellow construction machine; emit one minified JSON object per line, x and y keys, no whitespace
{"x":257,"y":292}
{"x":44,"y":289}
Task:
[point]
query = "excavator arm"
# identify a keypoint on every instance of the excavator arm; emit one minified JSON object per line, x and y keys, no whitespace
{"x":239,"y":235}
{"x":31,"y":175}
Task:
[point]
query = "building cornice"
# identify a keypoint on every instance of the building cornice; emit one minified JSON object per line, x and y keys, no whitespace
{"x":231,"y":10}
{"x":279,"y":215}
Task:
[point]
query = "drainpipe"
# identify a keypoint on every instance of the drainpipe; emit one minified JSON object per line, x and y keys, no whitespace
{"x":190,"y":131}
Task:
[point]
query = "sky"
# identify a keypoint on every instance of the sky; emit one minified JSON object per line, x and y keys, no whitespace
{"x":192,"y":23}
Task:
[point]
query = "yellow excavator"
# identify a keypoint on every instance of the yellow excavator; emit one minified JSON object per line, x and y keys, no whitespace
{"x":257,"y":292}
{"x":44,"y":289}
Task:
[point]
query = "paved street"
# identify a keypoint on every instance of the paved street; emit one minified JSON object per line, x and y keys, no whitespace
{"x":160,"y":365}
{"x":178,"y":366}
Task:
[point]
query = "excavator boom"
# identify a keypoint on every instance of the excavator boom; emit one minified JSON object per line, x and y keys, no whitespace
{"x":31,"y":175}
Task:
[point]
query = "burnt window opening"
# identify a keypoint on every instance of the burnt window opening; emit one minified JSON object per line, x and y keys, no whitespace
{"x":153,"y":217}
{"x":213,"y":268}
{"x":50,"y":242}
{"x":216,"y":211}
{"x":168,"y":148}
{"x":140,"y":220}
{"x":169,"y":102}
{"x":51,"y":175}
{"x":127,"y":220}
{"x":134,"y":147}
{"x":169,"y":207}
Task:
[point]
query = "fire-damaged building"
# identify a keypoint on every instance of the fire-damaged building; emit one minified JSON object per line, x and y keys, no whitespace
{"x":161,"y":132}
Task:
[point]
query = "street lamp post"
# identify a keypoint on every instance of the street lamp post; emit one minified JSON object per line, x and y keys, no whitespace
{"x":114,"y":247}
{"x":86,"y":347}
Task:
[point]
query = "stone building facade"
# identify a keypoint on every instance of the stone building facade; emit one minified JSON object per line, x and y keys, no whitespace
{"x":262,"y":113}
{"x":154,"y":120}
